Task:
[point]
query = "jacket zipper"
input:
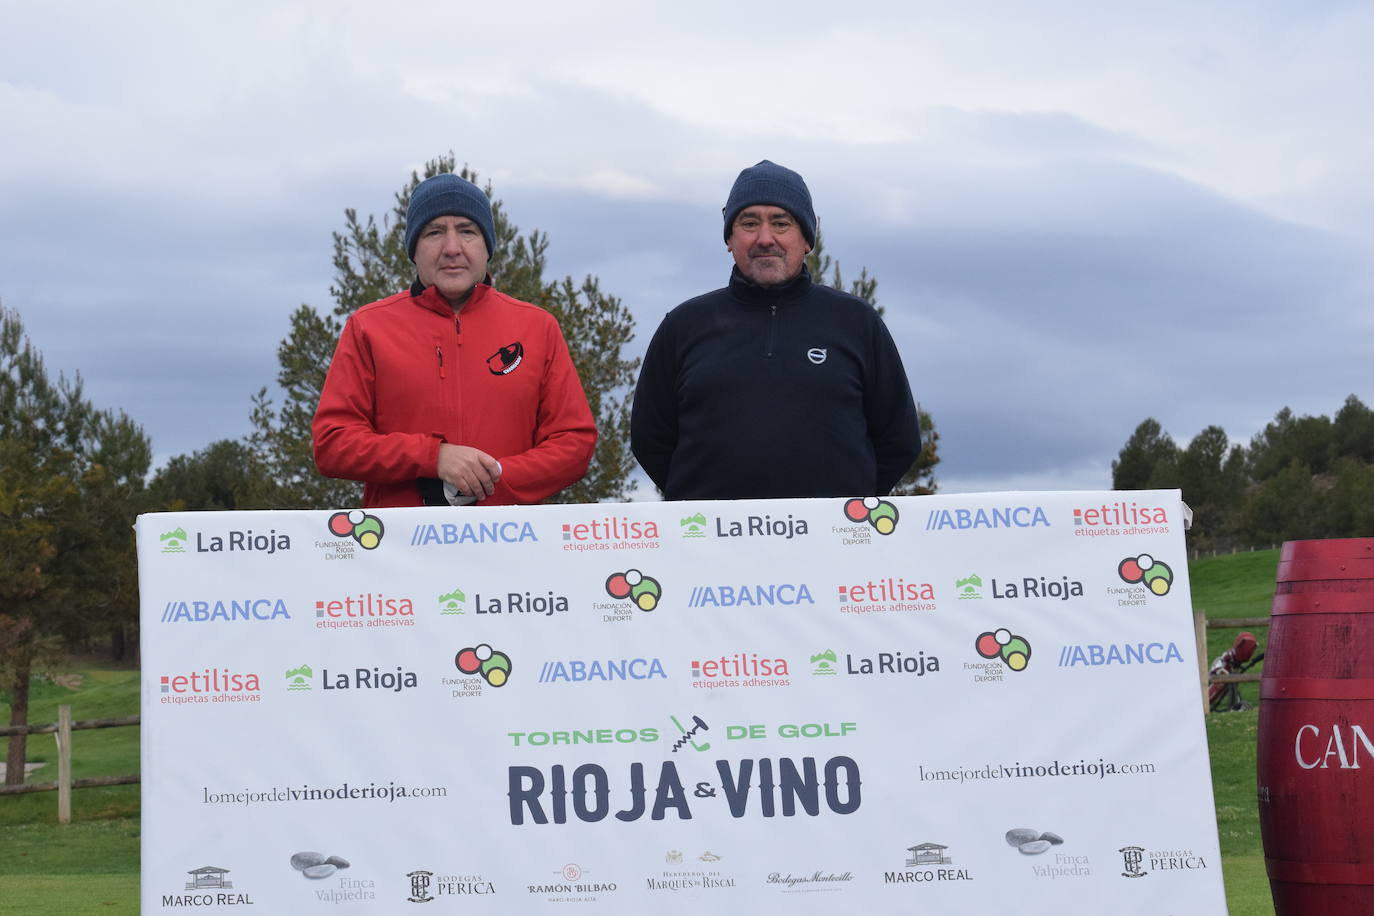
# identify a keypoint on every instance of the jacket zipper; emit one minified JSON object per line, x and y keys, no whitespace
{"x":439,"y":352}
{"x":772,"y":329}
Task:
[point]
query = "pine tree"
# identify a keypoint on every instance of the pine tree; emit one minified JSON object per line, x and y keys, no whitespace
{"x":370,"y":262}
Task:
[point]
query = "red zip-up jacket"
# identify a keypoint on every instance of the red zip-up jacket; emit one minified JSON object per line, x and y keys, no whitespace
{"x":409,"y":373}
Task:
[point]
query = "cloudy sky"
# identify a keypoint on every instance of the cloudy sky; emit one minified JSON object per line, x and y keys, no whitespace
{"x":1079,"y":216}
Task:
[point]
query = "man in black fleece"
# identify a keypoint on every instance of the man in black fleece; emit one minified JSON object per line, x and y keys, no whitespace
{"x":773,"y":386}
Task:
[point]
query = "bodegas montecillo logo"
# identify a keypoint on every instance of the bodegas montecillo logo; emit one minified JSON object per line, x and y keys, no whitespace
{"x":366,"y":529}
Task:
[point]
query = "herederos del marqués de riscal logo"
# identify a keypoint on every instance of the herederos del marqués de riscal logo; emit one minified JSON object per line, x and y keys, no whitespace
{"x":879,"y":513}
{"x":493,"y":666}
{"x":1005,"y":646}
{"x":1147,"y":571}
{"x":366,"y":529}
{"x":644,"y":592}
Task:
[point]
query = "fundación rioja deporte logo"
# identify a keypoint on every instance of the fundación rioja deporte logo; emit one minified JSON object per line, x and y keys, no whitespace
{"x":1147,"y":571}
{"x":644,"y":592}
{"x":366,"y":529}
{"x":493,"y":666}
{"x":879,"y":513}
{"x":1005,"y":646}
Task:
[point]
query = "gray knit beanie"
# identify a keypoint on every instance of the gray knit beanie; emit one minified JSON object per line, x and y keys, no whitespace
{"x":770,"y":183}
{"x":448,"y":195}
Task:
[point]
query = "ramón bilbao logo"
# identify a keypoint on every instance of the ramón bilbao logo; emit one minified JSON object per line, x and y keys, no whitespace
{"x":644,"y":592}
{"x":880,"y":514}
{"x":366,"y":529}
{"x":1145,"y":570}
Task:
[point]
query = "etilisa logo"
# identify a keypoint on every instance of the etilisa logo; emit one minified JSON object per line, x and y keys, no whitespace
{"x":987,"y":518}
{"x":892,"y":593}
{"x":1122,"y":517}
{"x":365,"y":609}
{"x":366,"y":529}
{"x":880,"y":514}
{"x":173,"y":541}
{"x":209,"y":886}
{"x":771,"y":595}
{"x":210,"y":685}
{"x":740,"y":669}
{"x":613,"y":532}
{"x":235,"y":610}
{"x":1005,"y":646}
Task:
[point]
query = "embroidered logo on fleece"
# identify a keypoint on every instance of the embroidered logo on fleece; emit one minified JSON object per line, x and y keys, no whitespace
{"x":505,"y":360}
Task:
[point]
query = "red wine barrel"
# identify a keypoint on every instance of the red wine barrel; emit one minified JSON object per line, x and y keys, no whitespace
{"x":1315,"y":763}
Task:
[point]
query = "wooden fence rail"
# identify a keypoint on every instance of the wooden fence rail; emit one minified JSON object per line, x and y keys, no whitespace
{"x":63,"y":785}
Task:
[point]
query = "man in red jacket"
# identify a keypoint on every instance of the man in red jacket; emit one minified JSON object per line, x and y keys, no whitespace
{"x":452,"y":392}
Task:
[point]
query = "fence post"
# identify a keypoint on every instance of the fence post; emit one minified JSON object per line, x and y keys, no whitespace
{"x":64,"y":764}
{"x":1200,"y":636}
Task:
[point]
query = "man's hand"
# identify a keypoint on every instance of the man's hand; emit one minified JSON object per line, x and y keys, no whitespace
{"x":471,"y":470}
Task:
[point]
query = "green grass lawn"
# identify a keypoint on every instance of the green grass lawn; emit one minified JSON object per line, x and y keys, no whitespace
{"x":91,"y":865}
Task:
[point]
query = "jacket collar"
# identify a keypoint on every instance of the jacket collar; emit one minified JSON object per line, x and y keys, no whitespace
{"x":743,"y":289}
{"x":429,"y":298}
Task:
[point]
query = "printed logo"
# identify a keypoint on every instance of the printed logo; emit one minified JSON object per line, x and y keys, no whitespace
{"x":369,"y":609}
{"x":816,"y":355}
{"x":693,"y":526}
{"x":925,"y":865}
{"x":1127,"y":653}
{"x":1345,"y":749}
{"x":570,"y":882}
{"x":315,"y":866}
{"x":419,"y":886}
{"x":366,"y":529}
{"x":1001,"y":644}
{"x":890,"y":594}
{"x":1118,"y":518}
{"x":521,"y":603}
{"x":1131,"y":857}
{"x":507,"y":359}
{"x":173,"y":541}
{"x":823,"y":662}
{"x":815,"y":883}
{"x":247,"y":541}
{"x":482,"y":659}
{"x":300,"y":678}
{"x":742,"y":669}
{"x":755,"y":526}
{"x":472,"y":533}
{"x":970,"y":587}
{"x":210,"y":685}
{"x":998,"y":517}
{"x":698,"y":725}
{"x":879,"y":513}
{"x":367,"y":679}
{"x":644,"y":592}
{"x":611,"y":533}
{"x":1147,"y":571}
{"x":247,"y":609}
{"x":786,"y":593}
{"x":208,"y":886}
{"x":452,"y":603}
{"x":579,"y":671}
{"x":688,"y":879}
{"x":1030,"y":842}
{"x":892,"y":663}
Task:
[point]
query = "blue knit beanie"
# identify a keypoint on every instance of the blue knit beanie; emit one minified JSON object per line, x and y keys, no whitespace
{"x":770,"y":183}
{"x":448,"y":195}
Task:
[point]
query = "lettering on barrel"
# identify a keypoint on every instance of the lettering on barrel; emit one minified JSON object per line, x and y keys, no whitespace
{"x":1313,"y":749}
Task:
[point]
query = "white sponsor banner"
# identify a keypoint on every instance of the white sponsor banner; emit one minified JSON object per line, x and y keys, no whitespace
{"x":952,"y":704}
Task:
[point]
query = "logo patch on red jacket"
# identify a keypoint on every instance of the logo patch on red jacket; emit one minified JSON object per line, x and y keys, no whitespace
{"x":505,"y":360}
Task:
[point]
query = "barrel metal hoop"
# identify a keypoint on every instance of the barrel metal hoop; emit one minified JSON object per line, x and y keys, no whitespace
{"x":1319,"y":872}
{"x":1316,"y":688}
